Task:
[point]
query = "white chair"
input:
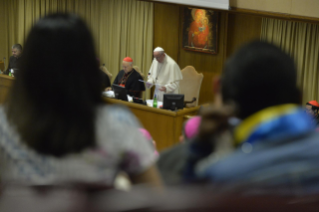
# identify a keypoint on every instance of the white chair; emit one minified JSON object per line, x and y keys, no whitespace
{"x":190,"y":85}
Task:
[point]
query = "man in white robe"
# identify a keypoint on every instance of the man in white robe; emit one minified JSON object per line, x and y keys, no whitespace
{"x":164,"y":73}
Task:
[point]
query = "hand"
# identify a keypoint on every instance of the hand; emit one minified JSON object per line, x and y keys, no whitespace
{"x":214,"y":121}
{"x":148,"y":84}
{"x":163,"y":88}
{"x":108,"y":89}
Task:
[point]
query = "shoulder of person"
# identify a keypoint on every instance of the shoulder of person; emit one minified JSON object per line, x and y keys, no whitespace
{"x":117,"y":113}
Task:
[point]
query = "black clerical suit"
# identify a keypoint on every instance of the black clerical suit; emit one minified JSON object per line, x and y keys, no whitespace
{"x":131,"y":82}
{"x":13,"y":64}
{"x":105,"y":80}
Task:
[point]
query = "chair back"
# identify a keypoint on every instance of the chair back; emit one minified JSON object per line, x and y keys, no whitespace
{"x":190,"y":84}
{"x":104,"y":69}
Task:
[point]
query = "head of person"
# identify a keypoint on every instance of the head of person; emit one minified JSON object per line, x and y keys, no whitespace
{"x":257,"y":76}
{"x":54,"y":98}
{"x":127,"y":64}
{"x":205,"y":21}
{"x":190,"y":129}
{"x":312,"y":108}
{"x":199,"y":15}
{"x":149,"y":138}
{"x":159,"y":54}
{"x":16,"y":50}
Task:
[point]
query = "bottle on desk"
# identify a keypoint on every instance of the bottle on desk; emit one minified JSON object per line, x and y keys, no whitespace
{"x":155,"y":101}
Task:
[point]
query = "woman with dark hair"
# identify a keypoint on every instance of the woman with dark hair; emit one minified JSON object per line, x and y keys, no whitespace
{"x":54,"y":126}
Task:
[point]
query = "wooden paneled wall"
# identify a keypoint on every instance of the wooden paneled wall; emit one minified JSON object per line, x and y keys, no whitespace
{"x":3,"y":31}
{"x":241,"y":29}
{"x":233,"y":31}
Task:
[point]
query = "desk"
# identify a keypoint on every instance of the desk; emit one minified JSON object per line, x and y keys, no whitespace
{"x":2,"y":66}
{"x":6,"y":83}
{"x":165,"y":126}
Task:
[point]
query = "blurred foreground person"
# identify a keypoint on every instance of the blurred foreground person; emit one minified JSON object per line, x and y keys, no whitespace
{"x":277,"y":145}
{"x":172,"y":160}
{"x":54,"y":127}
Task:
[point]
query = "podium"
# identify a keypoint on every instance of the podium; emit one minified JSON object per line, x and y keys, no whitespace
{"x":5,"y":85}
{"x":2,"y":66}
{"x":165,"y":126}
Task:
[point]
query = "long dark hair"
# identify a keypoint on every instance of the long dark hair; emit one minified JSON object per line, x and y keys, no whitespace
{"x":53,"y":100}
{"x":257,"y":76}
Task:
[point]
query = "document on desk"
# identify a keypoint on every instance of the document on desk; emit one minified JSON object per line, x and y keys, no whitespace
{"x":149,"y":85}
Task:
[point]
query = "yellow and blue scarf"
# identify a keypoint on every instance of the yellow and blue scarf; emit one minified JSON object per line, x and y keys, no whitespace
{"x":272,"y":123}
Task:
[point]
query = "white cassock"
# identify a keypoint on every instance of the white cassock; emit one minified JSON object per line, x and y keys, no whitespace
{"x":166,"y":74}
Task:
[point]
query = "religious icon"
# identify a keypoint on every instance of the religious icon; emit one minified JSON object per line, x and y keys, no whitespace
{"x":200,"y":30}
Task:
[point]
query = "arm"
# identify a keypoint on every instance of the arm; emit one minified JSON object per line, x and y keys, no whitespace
{"x":171,"y":87}
{"x":149,"y":82}
{"x":116,"y":80}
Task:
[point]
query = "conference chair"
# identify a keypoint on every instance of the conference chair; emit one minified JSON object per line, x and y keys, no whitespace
{"x":190,"y":85}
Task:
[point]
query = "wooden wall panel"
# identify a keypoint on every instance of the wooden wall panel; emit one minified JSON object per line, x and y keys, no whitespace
{"x":168,"y":34}
{"x":241,"y":29}
{"x":208,"y":64}
{"x":2,"y":32}
{"x":166,"y":28}
{"x":234,"y":30}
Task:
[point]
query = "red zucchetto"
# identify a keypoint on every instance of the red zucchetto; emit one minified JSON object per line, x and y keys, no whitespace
{"x":128,"y":59}
{"x":314,"y":103}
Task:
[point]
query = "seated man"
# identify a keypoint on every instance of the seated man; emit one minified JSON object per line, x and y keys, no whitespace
{"x":15,"y":58}
{"x":130,"y":79}
{"x":312,"y":108}
{"x":276,"y":142}
{"x":106,"y":84}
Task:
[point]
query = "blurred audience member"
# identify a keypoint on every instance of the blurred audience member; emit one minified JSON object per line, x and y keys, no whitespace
{"x":14,"y":60}
{"x":149,"y":138}
{"x":130,"y":79}
{"x":312,"y":108}
{"x":106,"y":83}
{"x":55,"y":128}
{"x":190,"y":129}
{"x":277,"y":145}
{"x":172,"y":161}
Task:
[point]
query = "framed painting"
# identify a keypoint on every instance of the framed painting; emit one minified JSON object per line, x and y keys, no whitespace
{"x":200,"y":30}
